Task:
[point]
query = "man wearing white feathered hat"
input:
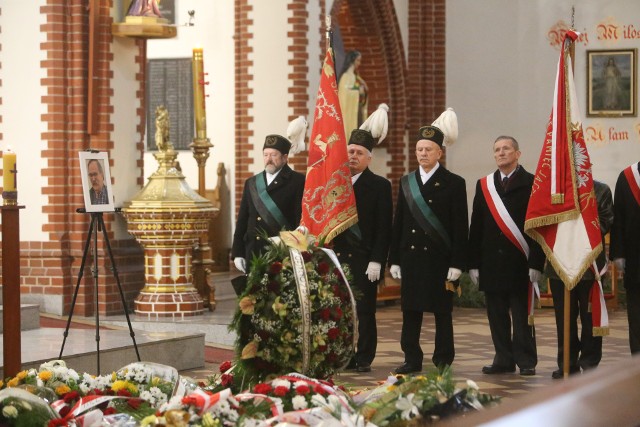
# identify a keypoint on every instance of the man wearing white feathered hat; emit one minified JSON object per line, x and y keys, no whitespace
{"x":365,"y":245}
{"x":429,"y":244}
{"x":271,"y":200}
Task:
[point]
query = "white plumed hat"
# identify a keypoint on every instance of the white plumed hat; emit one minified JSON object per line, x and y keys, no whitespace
{"x":296,"y":132}
{"x":448,"y":124}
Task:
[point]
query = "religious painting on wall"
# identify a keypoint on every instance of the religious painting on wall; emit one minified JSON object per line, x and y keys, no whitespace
{"x":96,"y":181}
{"x":611,"y":83}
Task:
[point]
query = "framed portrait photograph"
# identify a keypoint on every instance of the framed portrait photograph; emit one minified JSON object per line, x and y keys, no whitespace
{"x":96,"y":181}
{"x":611,"y":83}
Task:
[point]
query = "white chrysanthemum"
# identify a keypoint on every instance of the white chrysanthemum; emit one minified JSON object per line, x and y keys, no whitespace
{"x":299,"y":402}
{"x":174,"y":403}
{"x":318,"y":400}
{"x":472,"y":384}
{"x":10,"y":411}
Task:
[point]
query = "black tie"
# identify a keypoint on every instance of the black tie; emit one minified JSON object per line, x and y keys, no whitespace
{"x":505,"y":181}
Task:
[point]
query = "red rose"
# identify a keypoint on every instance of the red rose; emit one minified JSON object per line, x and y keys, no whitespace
{"x":109,"y":411}
{"x":325,"y":313}
{"x":135,"y":402}
{"x":97,"y":392}
{"x":337,"y":314}
{"x":306,"y":256}
{"x":262,"y":388}
{"x":322,"y":348}
{"x":124,"y":392}
{"x":71,"y":396}
{"x":226,"y":380}
{"x":281,"y":391}
{"x":303,"y":389}
{"x":273,"y":286}
{"x":64,"y":411}
{"x":225,"y":366}
{"x":264,"y":335}
{"x":322,"y":268}
{"x":333,"y":333}
{"x":318,"y":389}
{"x":332,"y":357}
{"x":275,"y":268}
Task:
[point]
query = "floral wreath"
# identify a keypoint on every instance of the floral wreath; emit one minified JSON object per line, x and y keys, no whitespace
{"x":296,"y":313}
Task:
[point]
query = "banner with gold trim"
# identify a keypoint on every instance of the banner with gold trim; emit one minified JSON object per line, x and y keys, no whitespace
{"x":328,"y":203}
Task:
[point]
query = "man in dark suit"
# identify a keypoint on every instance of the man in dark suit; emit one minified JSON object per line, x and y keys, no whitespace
{"x":365,"y":245}
{"x":503,"y":260}
{"x":271,"y":202}
{"x":428,"y":248}
{"x":625,"y":245}
{"x":584,"y":352}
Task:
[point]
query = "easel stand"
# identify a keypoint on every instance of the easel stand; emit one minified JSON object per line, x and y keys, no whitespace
{"x":97,"y":224}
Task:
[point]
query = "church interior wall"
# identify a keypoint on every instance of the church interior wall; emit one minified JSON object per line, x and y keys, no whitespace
{"x":500,"y":79}
{"x":21,"y":94}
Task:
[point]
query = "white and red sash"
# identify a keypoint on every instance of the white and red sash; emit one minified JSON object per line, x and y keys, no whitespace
{"x":509,"y":228}
{"x":633,"y":178}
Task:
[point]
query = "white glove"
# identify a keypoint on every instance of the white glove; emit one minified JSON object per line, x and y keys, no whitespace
{"x":534,"y":275}
{"x":395,"y":272}
{"x":620,"y":264}
{"x":453,"y":274}
{"x":240,"y":264}
{"x":373,"y":271}
{"x":474,"y":274}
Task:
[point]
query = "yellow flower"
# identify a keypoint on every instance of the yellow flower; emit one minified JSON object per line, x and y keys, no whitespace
{"x":209,"y":421}
{"x":146,"y":421}
{"x":62,"y":390}
{"x":13,"y":382}
{"x":247,"y":304}
{"x":250,"y":350}
{"x":391,"y":387}
{"x":21,"y":375}
{"x":120,"y":384}
{"x":279,"y":308}
{"x":45,"y":375}
{"x":1,"y":383}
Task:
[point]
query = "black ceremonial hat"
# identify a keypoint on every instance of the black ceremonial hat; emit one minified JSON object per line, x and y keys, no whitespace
{"x":278,"y":142}
{"x":431,"y":133}
{"x":362,"y":137}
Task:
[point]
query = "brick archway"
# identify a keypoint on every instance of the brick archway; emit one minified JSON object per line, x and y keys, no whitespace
{"x":371,"y":27}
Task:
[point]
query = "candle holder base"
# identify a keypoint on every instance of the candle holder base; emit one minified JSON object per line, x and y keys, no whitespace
{"x":9,"y":198}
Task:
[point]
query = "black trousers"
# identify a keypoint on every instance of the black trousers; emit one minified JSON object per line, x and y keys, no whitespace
{"x":518,"y":348}
{"x":367,"y":338}
{"x":444,"y":351}
{"x":586,"y":351}
{"x":633,"y":314}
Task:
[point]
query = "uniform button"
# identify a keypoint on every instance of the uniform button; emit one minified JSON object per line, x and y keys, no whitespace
{"x":413,"y":231}
{"x":338,"y":254}
{"x":349,"y":255}
{"x":275,"y":182}
{"x":425,"y":248}
{"x":257,"y":237}
{"x":412,"y":247}
{"x":259,"y":219}
{"x":430,"y":201}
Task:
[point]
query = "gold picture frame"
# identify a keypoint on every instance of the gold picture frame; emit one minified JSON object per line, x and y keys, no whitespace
{"x":612,"y":83}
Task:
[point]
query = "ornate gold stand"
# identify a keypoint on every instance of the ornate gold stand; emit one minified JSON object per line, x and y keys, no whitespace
{"x":168,"y":218}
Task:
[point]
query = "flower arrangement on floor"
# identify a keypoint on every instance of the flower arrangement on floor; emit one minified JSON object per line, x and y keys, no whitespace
{"x":297,"y":313}
{"x":126,"y":398}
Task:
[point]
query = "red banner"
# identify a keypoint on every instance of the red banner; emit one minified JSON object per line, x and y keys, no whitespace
{"x":562,"y":215}
{"x":328,"y":204}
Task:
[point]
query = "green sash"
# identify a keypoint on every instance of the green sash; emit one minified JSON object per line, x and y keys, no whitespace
{"x":423,"y":214}
{"x":266,"y":207}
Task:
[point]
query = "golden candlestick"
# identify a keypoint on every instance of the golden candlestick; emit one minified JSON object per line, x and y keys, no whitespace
{"x":202,"y":262}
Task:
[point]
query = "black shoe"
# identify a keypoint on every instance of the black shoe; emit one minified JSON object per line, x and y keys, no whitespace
{"x":559,"y":374}
{"x":496,"y":369}
{"x":407,"y":368}
{"x":527,"y":372}
{"x":364,"y":368}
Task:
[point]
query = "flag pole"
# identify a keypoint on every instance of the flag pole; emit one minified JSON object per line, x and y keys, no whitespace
{"x":567,"y":293}
{"x":327,"y":21}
